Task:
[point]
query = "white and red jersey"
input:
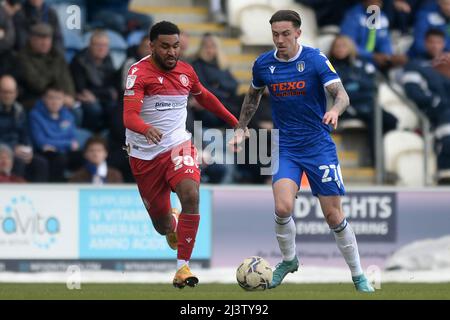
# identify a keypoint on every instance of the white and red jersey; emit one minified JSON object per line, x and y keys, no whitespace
{"x":163,"y":96}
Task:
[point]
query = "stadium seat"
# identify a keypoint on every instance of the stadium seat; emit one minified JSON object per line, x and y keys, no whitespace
{"x":251,"y":16}
{"x":117,"y":44}
{"x":135,"y":37}
{"x":251,"y":20}
{"x":404,"y":155}
{"x":392,"y":103}
{"x":234,"y":7}
{"x":324,"y":42}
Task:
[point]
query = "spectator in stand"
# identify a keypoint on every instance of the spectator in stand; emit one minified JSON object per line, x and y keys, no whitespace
{"x":6,"y":165}
{"x":359,"y":80}
{"x":7,"y":38}
{"x":135,"y":53}
{"x":96,"y":82}
{"x":427,"y":83}
{"x":115,"y":15}
{"x":212,"y":71}
{"x":210,"y":66}
{"x":184,"y":46}
{"x":435,"y":16}
{"x":435,"y":52}
{"x":36,"y":12}
{"x":14,"y":133}
{"x":40,"y":64}
{"x":95,"y":169}
{"x":373,"y":44}
{"x":402,"y":13}
{"x":53,"y":131}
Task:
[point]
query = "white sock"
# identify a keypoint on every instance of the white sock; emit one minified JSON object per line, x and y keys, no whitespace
{"x":285,"y":231}
{"x":346,"y":242}
{"x":181,"y":263}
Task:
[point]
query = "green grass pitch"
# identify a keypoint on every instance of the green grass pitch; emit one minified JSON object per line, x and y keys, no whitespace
{"x":213,"y":291}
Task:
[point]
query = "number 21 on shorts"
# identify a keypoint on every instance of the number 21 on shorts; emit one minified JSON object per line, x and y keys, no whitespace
{"x":337,"y":175}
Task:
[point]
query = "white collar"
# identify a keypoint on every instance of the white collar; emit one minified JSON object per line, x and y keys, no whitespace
{"x":291,"y":59}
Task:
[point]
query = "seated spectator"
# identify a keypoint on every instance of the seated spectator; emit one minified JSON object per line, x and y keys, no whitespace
{"x":14,"y":133}
{"x":115,"y":15}
{"x":6,"y":165}
{"x":7,"y":38}
{"x":373,"y":44}
{"x":401,"y":13}
{"x":359,"y":80}
{"x":434,"y":52}
{"x":135,"y":53}
{"x":40,"y":65}
{"x":53,"y":131}
{"x":96,"y":170}
{"x":436,"y":16}
{"x":95,"y":82}
{"x":212,"y":72}
{"x":430,"y":90}
{"x":35,"y":12}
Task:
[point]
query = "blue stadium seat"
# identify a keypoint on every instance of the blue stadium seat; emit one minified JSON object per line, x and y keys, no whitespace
{"x":135,"y":37}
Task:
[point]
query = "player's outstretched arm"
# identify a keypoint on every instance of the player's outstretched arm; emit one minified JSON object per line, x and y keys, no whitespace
{"x":210,"y":102}
{"x":340,"y":103}
{"x":249,"y":107}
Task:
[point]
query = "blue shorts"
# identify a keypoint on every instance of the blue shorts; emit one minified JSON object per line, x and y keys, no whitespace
{"x":321,"y":167}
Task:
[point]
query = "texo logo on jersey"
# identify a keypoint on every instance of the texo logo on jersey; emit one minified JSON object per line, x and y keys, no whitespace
{"x":293,"y":88}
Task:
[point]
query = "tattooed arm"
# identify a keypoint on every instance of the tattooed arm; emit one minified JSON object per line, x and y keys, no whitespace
{"x":340,"y":103}
{"x":249,"y":106}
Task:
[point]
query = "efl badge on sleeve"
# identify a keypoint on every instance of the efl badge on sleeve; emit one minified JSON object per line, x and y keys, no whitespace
{"x":330,"y":66}
{"x":131,"y":79}
{"x":300,"y":66}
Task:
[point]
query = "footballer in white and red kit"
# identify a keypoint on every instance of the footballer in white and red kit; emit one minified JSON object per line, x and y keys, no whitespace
{"x":162,"y":157}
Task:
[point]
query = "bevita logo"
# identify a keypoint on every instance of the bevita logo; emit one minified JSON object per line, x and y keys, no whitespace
{"x":21,"y":221}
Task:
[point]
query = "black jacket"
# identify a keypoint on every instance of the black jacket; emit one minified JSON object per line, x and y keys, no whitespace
{"x":13,"y":126}
{"x":101,"y":80}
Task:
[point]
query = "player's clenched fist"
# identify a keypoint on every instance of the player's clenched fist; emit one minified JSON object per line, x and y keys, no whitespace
{"x":331,"y":117}
{"x":239,"y":136}
{"x":153,"y":135}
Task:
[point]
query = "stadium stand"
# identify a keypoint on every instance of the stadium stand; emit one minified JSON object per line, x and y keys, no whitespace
{"x":243,"y":38}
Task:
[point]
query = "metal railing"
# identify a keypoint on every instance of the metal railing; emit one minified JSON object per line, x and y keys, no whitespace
{"x":425,"y":127}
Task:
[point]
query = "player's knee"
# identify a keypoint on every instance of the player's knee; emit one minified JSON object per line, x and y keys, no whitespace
{"x":189,"y":197}
{"x":284,"y":208}
{"x":333,"y":216}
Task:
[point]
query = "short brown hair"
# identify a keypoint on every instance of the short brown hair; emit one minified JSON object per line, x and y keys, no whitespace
{"x":95,"y":140}
{"x":287,"y":15}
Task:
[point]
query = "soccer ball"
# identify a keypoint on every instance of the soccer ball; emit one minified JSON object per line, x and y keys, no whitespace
{"x":254,"y":273}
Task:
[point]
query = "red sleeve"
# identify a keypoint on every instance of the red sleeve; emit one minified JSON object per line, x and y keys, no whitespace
{"x":132,"y":103}
{"x":210,"y":102}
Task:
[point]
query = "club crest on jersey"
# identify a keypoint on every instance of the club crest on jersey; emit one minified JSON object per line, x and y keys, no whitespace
{"x":184,"y":80}
{"x":133,"y":71}
{"x":131,"y":79}
{"x":300,"y":66}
